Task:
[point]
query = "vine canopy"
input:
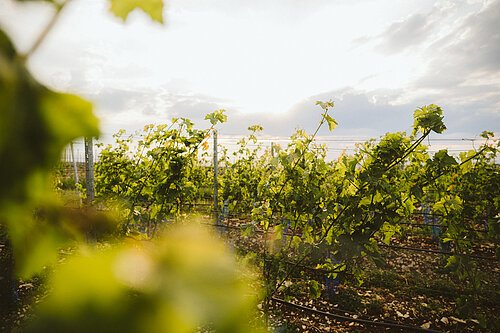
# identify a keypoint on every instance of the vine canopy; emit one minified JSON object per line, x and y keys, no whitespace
{"x":428,"y":118}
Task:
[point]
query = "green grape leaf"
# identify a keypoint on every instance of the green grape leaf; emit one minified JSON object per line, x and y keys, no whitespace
{"x":7,"y":50}
{"x":68,"y":117}
{"x":218,"y":116}
{"x":153,"y":8}
{"x":314,"y":289}
{"x":35,"y":245}
{"x":256,"y":128}
{"x":296,"y":241}
{"x":452,"y":262}
{"x":444,"y":159}
{"x":487,"y":134}
{"x":332,"y":123}
{"x":325,"y":105}
{"x":388,"y":230}
{"x":278,"y":232}
{"x":35,"y":125}
{"x":428,"y":118}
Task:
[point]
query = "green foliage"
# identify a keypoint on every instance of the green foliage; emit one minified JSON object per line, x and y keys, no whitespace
{"x":466,"y":195}
{"x":428,"y":118}
{"x":157,"y":179}
{"x":325,"y":105}
{"x":240,"y":178}
{"x":218,"y":116}
{"x":255,"y":128}
{"x":178,"y":283}
{"x":487,"y":134}
{"x":184,"y":282}
{"x":153,"y":8}
{"x":346,"y":205}
{"x":332,"y":123}
{"x":328,"y":214}
{"x":36,"y":124}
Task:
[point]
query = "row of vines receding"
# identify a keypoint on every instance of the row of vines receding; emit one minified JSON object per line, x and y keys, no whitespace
{"x":306,"y":211}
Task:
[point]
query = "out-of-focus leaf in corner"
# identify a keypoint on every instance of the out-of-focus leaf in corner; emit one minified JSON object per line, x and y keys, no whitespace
{"x":184,"y":281}
{"x":36,"y":123}
{"x":153,"y":8}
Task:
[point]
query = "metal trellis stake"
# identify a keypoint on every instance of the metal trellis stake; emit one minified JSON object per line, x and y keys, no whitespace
{"x":89,"y":169}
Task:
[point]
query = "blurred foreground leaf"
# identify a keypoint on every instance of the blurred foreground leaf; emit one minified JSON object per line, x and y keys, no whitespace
{"x":180,"y":283}
{"x":122,"y":8}
{"x":35,"y":126}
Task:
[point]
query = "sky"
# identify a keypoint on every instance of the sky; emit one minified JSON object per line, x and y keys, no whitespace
{"x":267,"y":62}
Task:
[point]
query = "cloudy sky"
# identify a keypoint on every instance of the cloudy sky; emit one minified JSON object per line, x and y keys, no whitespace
{"x":267,"y":62}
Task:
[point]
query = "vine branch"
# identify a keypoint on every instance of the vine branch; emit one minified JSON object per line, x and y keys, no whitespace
{"x":45,"y":32}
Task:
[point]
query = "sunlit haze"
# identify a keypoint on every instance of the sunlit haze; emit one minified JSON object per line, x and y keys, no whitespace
{"x":267,"y":62}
